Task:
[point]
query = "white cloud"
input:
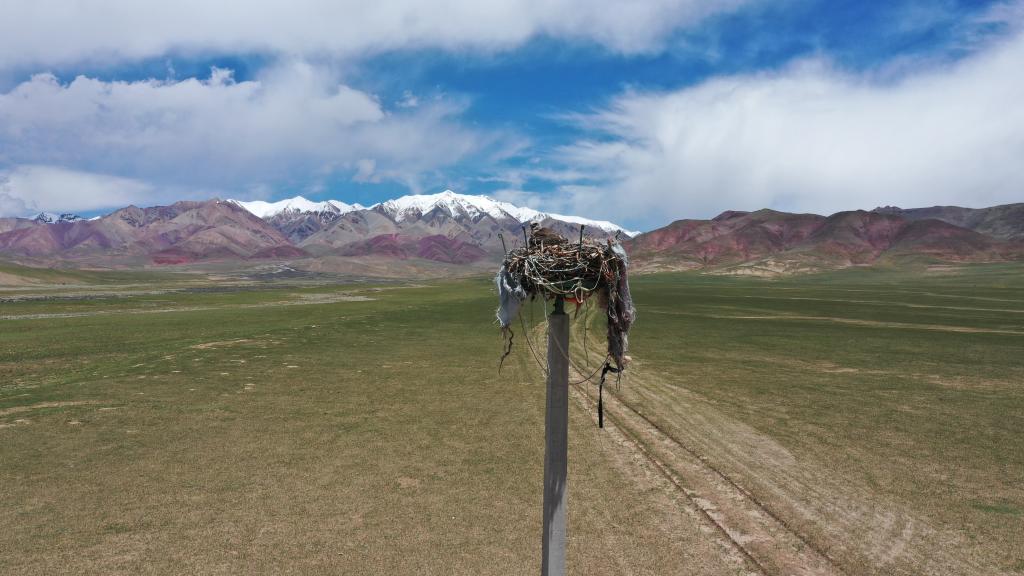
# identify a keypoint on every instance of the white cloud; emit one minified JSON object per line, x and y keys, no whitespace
{"x":25,"y":190}
{"x":524,"y":198}
{"x":809,"y":138}
{"x":409,"y":100}
{"x":55,"y":32}
{"x":11,"y":205}
{"x":364,"y":170}
{"x":293,"y":121}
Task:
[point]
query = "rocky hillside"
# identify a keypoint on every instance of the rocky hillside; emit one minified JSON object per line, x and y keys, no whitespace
{"x":455,"y":231}
{"x":179,"y":233}
{"x":446,"y":227}
{"x":770,"y":242}
{"x":298,"y":218}
{"x":1004,"y":222}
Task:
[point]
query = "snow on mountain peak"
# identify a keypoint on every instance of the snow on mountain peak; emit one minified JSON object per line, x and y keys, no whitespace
{"x":416,"y":205}
{"x":455,"y":204}
{"x":51,"y":218}
{"x":473,"y":206}
{"x":600,"y":224}
{"x":262,"y":209}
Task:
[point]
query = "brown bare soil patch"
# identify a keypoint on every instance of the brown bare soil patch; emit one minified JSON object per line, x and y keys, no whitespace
{"x":220,"y":344}
{"x":41,"y":405}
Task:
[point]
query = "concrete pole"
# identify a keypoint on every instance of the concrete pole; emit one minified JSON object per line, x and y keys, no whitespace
{"x":556,"y":434}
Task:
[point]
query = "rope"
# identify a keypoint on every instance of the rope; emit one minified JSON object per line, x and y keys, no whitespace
{"x":508,"y":347}
{"x":600,"y":391}
{"x":555,"y":268}
{"x":543,"y":367}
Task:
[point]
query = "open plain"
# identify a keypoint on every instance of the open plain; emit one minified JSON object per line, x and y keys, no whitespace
{"x":866,"y":421}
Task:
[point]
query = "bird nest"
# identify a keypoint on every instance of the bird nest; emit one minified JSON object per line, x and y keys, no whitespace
{"x":552,"y":267}
{"x":573,"y":271}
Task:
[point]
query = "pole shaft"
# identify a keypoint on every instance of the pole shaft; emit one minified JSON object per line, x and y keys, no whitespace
{"x":556,"y":433}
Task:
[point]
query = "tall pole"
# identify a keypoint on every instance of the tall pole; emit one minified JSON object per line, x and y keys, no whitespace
{"x":556,"y":434}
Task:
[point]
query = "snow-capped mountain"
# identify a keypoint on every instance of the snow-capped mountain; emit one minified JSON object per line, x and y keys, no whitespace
{"x":456,"y":205}
{"x":448,"y":227}
{"x":267,"y":210}
{"x":51,"y":218}
{"x":414,"y":206}
{"x":474,"y":207}
{"x":298,"y":218}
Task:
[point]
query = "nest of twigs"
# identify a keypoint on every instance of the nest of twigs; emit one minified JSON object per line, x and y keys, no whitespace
{"x":551,"y":269}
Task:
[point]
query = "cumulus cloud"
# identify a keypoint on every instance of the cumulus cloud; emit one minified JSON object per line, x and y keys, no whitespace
{"x":294,"y":122}
{"x":26,"y":190}
{"x":809,"y":138}
{"x":49,"y":32}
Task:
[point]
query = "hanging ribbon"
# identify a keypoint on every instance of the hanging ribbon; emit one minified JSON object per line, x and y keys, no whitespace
{"x":600,"y":392}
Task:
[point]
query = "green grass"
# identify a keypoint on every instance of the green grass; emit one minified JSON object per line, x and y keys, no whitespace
{"x":345,"y":437}
{"x":251,"y":431}
{"x":280,"y":450}
{"x":64,"y":276}
{"x":894,"y":393}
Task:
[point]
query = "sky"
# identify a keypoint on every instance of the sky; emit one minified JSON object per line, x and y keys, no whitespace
{"x":641,"y":113}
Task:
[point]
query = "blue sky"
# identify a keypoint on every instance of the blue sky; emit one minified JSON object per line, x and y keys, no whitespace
{"x":641,"y":114}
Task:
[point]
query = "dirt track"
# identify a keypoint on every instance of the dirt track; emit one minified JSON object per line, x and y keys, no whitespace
{"x":753,"y":530}
{"x":800,"y":519}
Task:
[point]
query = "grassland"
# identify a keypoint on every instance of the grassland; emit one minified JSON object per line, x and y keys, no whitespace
{"x":878,"y":414}
{"x":15,"y":276}
{"x":170,"y":427}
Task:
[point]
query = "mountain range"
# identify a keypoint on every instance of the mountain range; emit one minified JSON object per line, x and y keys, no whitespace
{"x":770,"y":242}
{"x":447,"y":228}
{"x":418,"y":232}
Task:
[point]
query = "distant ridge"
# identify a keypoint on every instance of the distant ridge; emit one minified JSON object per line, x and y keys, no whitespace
{"x":453,"y":223}
{"x":180,"y":233}
{"x":445,"y":227}
{"x":51,"y":218}
{"x":1004,"y":222}
{"x":770,"y":242}
{"x":299,"y":204}
{"x":448,"y":230}
{"x":415,"y":206}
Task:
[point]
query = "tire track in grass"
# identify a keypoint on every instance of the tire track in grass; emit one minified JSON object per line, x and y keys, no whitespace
{"x":758,"y":534}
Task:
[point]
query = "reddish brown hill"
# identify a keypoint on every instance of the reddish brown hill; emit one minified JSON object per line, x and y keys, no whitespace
{"x":453,"y":251}
{"x":181,"y":232}
{"x":438,"y":248}
{"x":860,"y":237}
{"x":1005,"y":222}
{"x":40,"y":239}
{"x":730,"y":237}
{"x":777,"y":242}
{"x":948,"y":242}
{"x":855,"y":237}
{"x":454,"y":232}
{"x":279,"y":253}
{"x":8,"y":224}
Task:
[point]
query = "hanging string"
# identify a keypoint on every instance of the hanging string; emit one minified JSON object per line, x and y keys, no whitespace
{"x":543,"y":367}
{"x":600,"y":391}
{"x":549,"y":266}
